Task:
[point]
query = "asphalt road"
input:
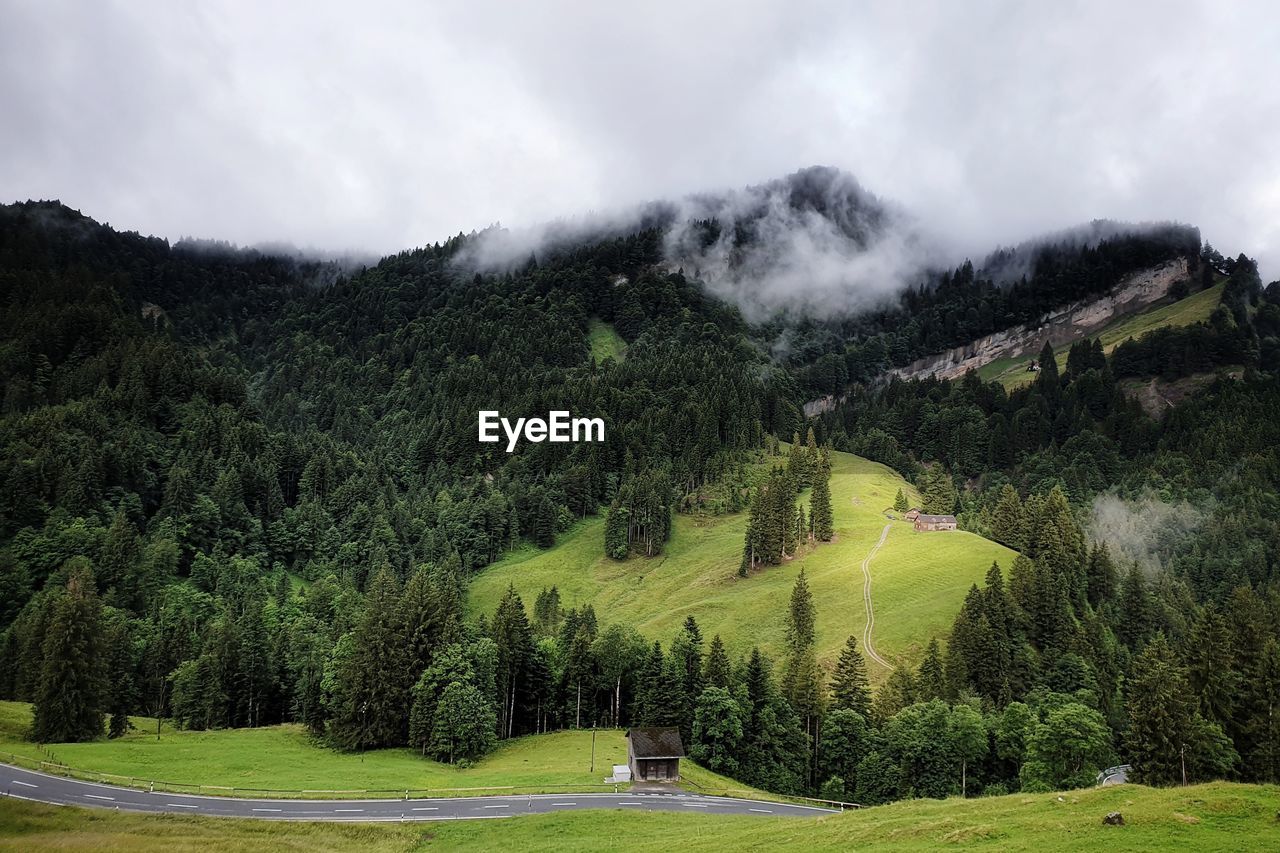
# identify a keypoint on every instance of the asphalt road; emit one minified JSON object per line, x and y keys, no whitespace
{"x":29,"y":785}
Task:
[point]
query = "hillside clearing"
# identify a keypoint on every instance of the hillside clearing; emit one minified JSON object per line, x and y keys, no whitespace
{"x":919,"y":579}
{"x":1012,"y":372}
{"x":605,"y":341}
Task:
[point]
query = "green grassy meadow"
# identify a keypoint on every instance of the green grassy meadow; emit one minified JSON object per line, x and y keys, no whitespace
{"x":1012,"y":372}
{"x":285,"y":758}
{"x":605,"y":341}
{"x":1220,"y":816}
{"x":918,"y":579}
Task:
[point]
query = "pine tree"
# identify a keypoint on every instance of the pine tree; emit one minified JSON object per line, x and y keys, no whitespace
{"x":973,"y":651}
{"x":544,"y":523}
{"x":1007,"y":520}
{"x":1057,"y":546}
{"x":1160,"y":715}
{"x":798,"y":464}
{"x":423,"y":624}
{"x":514,"y":638}
{"x":1101,"y":575}
{"x":900,"y":501}
{"x":1263,"y":759}
{"x":931,"y":681}
{"x":617,"y":522}
{"x":1136,"y":620}
{"x":820,"y":503}
{"x":785,"y":513}
{"x":119,"y":552}
{"x":255,"y":676}
{"x":372,"y":710}
{"x":937,"y":491}
{"x":119,"y":669}
{"x":850,"y":689}
{"x":800,"y":619}
{"x":753,"y":548}
{"x":70,"y":697}
{"x":1004,"y":633}
{"x":756,"y":681}
{"x":1047,"y":382}
{"x":547,"y":612}
{"x":690,"y":653}
{"x":645,"y":710}
{"x":1212,"y":675}
{"x":717,"y":671}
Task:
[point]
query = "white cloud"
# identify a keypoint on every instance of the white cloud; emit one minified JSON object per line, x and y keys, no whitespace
{"x":393,"y":124}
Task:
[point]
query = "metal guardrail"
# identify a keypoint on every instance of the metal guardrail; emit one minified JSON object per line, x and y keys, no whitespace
{"x":54,"y":768}
{"x":1112,"y":771}
{"x":743,"y":793}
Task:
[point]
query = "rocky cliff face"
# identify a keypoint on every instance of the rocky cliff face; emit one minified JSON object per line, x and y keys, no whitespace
{"x":1065,"y":325}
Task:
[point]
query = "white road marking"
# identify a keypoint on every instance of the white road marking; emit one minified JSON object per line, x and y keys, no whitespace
{"x":266,"y":810}
{"x":497,"y":807}
{"x":24,"y":784}
{"x":564,"y":804}
{"x":99,"y":797}
{"x":348,"y":810}
{"x":182,"y":805}
{"x":694,"y":805}
{"x":427,"y":809}
{"x":631,"y":804}
{"x":762,"y":811}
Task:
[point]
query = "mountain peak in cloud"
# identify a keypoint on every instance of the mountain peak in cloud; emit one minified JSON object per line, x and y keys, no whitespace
{"x":814,"y":242}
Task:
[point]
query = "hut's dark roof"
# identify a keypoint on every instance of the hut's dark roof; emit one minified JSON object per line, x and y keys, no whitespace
{"x":656,"y":743}
{"x":937,"y":519}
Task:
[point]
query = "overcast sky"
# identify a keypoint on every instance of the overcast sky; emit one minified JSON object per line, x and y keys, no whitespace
{"x":373,"y":126}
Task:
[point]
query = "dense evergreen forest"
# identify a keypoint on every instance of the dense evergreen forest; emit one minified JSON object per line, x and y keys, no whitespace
{"x":241,"y":489}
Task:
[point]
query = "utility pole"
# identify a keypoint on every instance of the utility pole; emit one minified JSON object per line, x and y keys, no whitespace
{"x":593,"y":748}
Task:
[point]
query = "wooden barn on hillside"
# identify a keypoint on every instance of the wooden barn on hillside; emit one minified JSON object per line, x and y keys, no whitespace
{"x":654,"y":754}
{"x":934,"y":522}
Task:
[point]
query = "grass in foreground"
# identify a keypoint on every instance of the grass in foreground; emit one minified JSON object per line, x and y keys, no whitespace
{"x":1219,"y":816}
{"x":1012,"y":372}
{"x":284,"y":758}
{"x":918,"y":579}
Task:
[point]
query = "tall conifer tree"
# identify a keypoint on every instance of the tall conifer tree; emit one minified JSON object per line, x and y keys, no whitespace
{"x":70,"y":696}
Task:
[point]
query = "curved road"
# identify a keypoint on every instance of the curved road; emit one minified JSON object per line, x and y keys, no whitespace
{"x":866,"y":598}
{"x":57,"y":790}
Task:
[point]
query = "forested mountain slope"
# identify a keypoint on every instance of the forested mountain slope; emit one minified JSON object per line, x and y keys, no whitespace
{"x":240,"y":489}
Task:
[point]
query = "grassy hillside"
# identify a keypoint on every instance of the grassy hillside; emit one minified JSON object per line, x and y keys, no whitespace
{"x":1214,"y":817}
{"x":605,"y":341}
{"x":284,"y":758}
{"x":918,"y":579}
{"x":1012,"y":372}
